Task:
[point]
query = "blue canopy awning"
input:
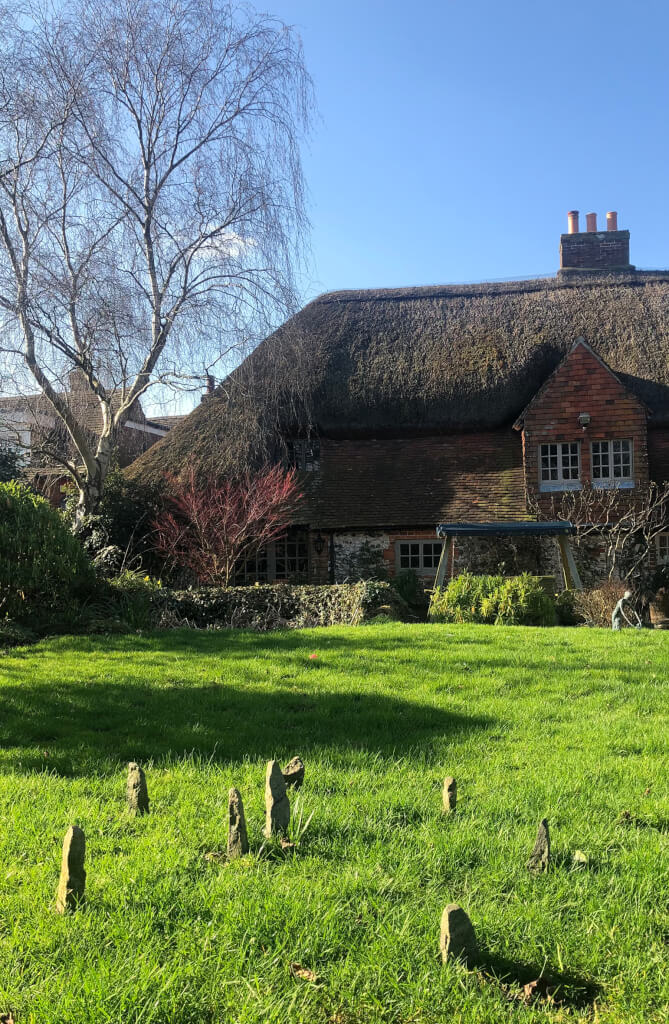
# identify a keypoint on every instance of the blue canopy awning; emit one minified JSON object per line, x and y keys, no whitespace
{"x":528,"y":528}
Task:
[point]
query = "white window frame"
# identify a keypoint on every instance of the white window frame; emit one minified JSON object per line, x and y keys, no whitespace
{"x":561,"y":482}
{"x":421,"y":569}
{"x":662,"y":548}
{"x":611,"y":481}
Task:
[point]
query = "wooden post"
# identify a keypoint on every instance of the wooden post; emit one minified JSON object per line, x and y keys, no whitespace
{"x":443,"y":563}
{"x":571,"y":576}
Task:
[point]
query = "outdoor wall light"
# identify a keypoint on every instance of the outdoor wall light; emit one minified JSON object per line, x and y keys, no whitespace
{"x":584,"y":420}
{"x":319,"y":544}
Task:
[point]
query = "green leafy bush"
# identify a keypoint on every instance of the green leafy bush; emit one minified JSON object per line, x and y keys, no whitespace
{"x":42,"y":566}
{"x":133,"y":595}
{"x":506,"y":601}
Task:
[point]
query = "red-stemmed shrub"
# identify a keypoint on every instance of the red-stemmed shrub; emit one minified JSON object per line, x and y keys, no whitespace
{"x":209,"y":528}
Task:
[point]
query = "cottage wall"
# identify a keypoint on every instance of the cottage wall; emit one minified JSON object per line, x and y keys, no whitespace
{"x":374,"y":554}
{"x":582,"y":384}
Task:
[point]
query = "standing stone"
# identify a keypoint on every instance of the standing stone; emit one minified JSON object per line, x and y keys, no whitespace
{"x":293,"y":773}
{"x":277,"y":805}
{"x":541,"y":854}
{"x":72,"y":884}
{"x":136,"y":791}
{"x":238,"y":842}
{"x":449,"y":793}
{"x":457,"y":940}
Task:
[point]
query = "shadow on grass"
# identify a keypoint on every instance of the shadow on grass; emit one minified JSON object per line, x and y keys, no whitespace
{"x":86,"y":725}
{"x":527,"y":983}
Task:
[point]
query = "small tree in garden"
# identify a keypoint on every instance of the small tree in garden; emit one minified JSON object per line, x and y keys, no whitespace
{"x":625,"y":522}
{"x":210,"y":528}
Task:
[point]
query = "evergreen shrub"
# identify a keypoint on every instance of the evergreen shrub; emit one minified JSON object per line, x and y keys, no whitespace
{"x":42,"y":565}
{"x":499,"y":600}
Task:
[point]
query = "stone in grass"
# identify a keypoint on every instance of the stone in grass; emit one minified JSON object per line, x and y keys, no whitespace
{"x":72,"y":884}
{"x":449,"y":794}
{"x":277,"y":805}
{"x":136,"y":791}
{"x":458,"y":939}
{"x":293,"y":773}
{"x":541,"y":854}
{"x":238,"y":842}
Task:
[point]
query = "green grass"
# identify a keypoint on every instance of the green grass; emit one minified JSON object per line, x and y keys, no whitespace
{"x":568,"y":724}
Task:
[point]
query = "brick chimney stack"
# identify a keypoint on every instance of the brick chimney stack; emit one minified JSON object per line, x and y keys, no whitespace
{"x":593,"y":251}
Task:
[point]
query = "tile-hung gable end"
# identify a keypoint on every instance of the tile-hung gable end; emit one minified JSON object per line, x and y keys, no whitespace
{"x":583,"y":428}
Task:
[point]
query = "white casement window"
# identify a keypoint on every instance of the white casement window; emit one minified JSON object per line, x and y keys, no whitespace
{"x":420,"y":555}
{"x":662,"y":546}
{"x":612,"y":464}
{"x":560,"y":466}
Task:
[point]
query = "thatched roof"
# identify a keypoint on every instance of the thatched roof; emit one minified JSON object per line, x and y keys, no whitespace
{"x":427,"y":361}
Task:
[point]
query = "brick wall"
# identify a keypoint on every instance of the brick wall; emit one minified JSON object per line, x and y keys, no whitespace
{"x":658,"y":454}
{"x":595,"y":250}
{"x":582,"y":384}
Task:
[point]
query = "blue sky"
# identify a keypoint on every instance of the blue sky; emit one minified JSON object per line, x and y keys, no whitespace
{"x":454,"y":136}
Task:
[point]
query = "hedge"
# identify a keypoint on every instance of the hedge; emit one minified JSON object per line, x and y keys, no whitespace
{"x":277,"y":606}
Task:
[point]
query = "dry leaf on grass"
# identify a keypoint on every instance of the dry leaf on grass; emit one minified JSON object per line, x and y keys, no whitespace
{"x":540,"y":988}
{"x":6,"y":1018}
{"x":287,"y":845}
{"x":212,"y":857}
{"x":298,"y":971}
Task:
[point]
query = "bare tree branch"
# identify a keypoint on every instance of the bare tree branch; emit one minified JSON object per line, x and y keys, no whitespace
{"x":150,"y":185}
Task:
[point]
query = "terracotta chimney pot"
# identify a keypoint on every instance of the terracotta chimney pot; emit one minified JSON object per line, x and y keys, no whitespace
{"x":572,"y":221}
{"x":612,"y":221}
{"x":591,"y":221}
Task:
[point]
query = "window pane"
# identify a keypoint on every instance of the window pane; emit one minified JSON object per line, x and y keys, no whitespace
{"x":622,"y":459}
{"x":431,"y":554}
{"x":600,"y":460}
{"x":663,"y":548}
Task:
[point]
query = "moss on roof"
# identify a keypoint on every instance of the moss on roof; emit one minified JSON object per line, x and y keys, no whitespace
{"x":428,"y":360}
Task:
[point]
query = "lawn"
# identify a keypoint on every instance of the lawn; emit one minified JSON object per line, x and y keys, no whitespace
{"x":568,"y":724}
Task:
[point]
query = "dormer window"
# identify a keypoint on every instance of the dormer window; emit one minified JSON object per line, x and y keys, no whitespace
{"x":560,"y":466}
{"x":612,"y":464}
{"x":304,"y":454}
